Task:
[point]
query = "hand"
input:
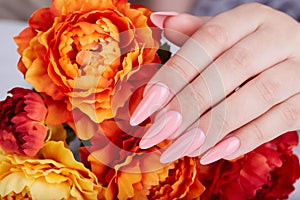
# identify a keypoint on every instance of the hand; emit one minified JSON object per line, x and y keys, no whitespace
{"x":233,"y":85}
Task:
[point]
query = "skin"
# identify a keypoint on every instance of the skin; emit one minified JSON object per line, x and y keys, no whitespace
{"x":253,"y":48}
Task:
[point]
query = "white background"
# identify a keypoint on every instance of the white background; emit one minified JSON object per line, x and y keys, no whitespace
{"x":10,"y":76}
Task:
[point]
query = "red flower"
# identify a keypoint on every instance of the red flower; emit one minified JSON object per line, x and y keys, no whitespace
{"x":267,"y":172}
{"x":21,"y":122}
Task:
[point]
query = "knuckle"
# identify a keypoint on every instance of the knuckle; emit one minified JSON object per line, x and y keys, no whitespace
{"x":262,"y":11}
{"x":268,"y":89}
{"x":289,"y":114}
{"x":201,"y":98}
{"x":297,"y":35}
{"x":257,"y":6}
{"x":256,"y":130}
{"x":180,"y":66}
{"x":239,"y":59}
{"x":221,"y":122}
{"x":215,"y":34}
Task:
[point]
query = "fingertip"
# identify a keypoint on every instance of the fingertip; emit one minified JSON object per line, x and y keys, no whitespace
{"x":165,"y":159}
{"x":144,"y":144}
{"x":133,"y":122}
{"x":153,"y":99}
{"x":179,"y":28}
{"x":158,"y":18}
{"x":223,"y":149}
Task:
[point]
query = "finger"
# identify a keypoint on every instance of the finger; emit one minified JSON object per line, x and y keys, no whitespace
{"x":206,"y":44}
{"x":270,"y":88}
{"x":184,"y":145}
{"x":214,"y":37}
{"x":280,"y":119}
{"x":179,"y":28}
{"x":229,"y":71}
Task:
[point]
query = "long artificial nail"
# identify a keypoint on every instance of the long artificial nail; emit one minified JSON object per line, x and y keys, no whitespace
{"x":221,"y":150}
{"x":158,"y":18}
{"x":155,"y":97}
{"x":161,"y":129}
{"x":184,"y":145}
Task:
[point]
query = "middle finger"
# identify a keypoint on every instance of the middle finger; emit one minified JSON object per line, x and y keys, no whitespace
{"x":247,"y":58}
{"x":202,"y":48}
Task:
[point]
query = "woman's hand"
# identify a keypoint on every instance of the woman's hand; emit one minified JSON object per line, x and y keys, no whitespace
{"x":233,"y":85}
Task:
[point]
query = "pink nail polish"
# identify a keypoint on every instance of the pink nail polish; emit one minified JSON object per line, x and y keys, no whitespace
{"x":187,"y":143}
{"x":221,"y":150}
{"x":158,"y":18}
{"x":194,"y":153}
{"x":161,"y":129}
{"x":155,"y":97}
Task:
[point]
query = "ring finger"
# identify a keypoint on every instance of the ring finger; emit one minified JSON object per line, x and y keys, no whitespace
{"x":216,"y":82}
{"x":252,"y":100}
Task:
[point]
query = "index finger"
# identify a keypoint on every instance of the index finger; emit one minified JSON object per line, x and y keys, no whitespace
{"x":214,"y":37}
{"x":200,"y":50}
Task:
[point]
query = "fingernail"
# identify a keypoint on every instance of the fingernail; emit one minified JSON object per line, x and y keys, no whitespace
{"x":194,"y":153}
{"x":158,"y":18}
{"x":184,"y":145}
{"x":155,"y":97}
{"x":161,"y":129}
{"x":221,"y":150}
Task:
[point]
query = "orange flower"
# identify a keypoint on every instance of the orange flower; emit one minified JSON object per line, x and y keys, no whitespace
{"x":141,"y":176}
{"x":125,"y":170}
{"x":76,"y":51}
{"x":131,"y":180}
{"x":54,"y":174}
{"x":127,"y":94}
{"x":22,"y":128}
{"x":128,"y":172}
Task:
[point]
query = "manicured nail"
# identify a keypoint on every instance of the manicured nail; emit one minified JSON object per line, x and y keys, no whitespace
{"x":158,"y":18}
{"x":187,"y":143}
{"x":161,"y":129}
{"x":221,"y":150}
{"x":194,"y":153}
{"x":155,"y":97}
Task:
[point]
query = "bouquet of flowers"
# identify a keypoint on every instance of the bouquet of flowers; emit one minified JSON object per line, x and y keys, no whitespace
{"x":70,"y":138}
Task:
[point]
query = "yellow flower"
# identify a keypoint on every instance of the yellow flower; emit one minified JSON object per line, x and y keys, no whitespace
{"x":54,"y":174}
